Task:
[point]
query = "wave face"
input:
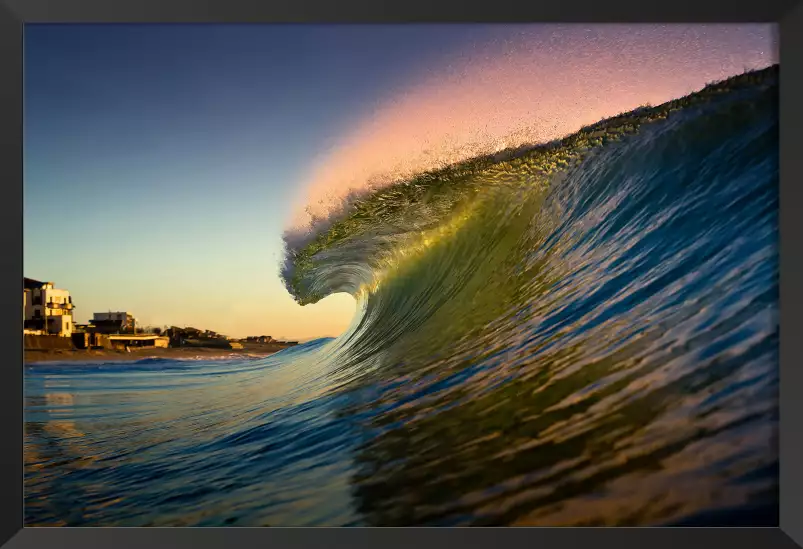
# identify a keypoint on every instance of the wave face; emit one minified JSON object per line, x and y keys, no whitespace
{"x":582,"y":333}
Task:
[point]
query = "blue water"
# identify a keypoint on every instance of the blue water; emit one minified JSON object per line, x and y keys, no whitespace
{"x":598,"y":351}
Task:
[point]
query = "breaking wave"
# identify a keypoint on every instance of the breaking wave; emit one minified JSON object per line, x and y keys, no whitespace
{"x":583,"y":332}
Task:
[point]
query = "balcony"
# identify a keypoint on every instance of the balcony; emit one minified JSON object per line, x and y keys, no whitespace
{"x":63,"y":306}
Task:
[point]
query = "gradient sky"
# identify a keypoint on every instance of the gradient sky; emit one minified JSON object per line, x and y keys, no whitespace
{"x":163,"y":163}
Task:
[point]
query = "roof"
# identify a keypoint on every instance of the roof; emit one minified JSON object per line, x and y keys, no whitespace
{"x":30,"y":283}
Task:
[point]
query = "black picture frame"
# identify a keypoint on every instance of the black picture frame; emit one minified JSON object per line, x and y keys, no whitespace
{"x":14,"y":14}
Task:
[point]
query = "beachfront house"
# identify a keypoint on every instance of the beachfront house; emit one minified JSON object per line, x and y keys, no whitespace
{"x":47,"y":310}
{"x":117,"y":322}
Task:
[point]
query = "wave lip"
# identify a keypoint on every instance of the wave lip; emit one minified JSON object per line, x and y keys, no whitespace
{"x":339,"y":253}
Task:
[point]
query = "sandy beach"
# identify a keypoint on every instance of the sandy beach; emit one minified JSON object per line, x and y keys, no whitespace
{"x":37,"y":356}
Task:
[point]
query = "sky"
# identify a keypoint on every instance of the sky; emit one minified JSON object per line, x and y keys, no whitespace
{"x":164,"y":162}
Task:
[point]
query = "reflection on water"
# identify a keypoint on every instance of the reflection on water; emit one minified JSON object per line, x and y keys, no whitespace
{"x":604,"y":353}
{"x":152,"y":443}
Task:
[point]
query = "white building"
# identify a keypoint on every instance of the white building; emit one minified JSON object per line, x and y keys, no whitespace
{"x":46,"y":309}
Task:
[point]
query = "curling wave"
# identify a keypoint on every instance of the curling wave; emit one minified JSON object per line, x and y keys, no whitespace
{"x":577,"y":333}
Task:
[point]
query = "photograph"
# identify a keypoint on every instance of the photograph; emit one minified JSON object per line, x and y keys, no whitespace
{"x":400,"y":275}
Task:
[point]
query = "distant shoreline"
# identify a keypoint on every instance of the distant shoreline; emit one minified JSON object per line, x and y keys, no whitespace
{"x":39,"y":356}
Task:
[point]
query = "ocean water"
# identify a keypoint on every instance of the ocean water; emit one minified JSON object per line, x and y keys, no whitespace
{"x":579,"y":334}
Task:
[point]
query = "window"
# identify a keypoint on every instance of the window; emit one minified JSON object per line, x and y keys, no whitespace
{"x":37,"y":313}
